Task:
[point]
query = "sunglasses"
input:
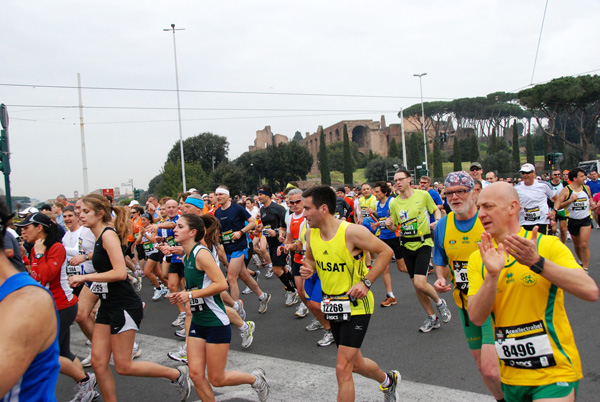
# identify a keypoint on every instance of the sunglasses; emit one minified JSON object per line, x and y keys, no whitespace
{"x":457,"y":192}
{"x":474,"y":169}
{"x":294,"y":202}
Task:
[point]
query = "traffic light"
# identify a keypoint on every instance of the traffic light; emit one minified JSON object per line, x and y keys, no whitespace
{"x":137,"y":193}
{"x":4,"y":159}
{"x":549,"y":161}
{"x":558,"y":158}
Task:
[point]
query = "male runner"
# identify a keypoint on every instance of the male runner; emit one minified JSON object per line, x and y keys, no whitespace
{"x":521,"y":282}
{"x":335,"y":250}
{"x":456,"y":237}
{"x":533,"y":196}
{"x":410,"y":211}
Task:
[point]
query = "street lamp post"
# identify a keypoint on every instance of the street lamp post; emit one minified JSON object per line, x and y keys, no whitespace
{"x":423,"y":117}
{"x":178,"y":104}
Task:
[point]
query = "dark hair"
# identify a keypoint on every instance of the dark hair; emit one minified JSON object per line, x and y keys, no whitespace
{"x":266,"y":188}
{"x":322,"y":195}
{"x":182,"y":195}
{"x":137,"y":208}
{"x":5,"y":218}
{"x":212,"y":230}
{"x":574,"y":172}
{"x":402,"y":170}
{"x":195,"y":223}
{"x":100,"y":205}
{"x":383,"y":186}
{"x":46,"y":207}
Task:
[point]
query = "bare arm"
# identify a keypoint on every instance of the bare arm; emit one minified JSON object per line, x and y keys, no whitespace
{"x":28,"y":331}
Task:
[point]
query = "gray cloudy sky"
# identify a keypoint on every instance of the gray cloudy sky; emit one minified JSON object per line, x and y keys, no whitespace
{"x":467,"y":48}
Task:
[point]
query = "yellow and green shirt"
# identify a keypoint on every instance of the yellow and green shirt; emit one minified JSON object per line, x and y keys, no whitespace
{"x":412,"y":214}
{"x":533,"y":336}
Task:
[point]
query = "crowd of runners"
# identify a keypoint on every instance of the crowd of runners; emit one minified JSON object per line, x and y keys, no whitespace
{"x":326,"y":246}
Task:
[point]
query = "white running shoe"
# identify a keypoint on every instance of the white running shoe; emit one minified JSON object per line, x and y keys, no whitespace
{"x":291,"y":298}
{"x":261,"y":386}
{"x":183,"y":383}
{"x":180,"y":355}
{"x":314,"y":325}
{"x":301,"y":311}
{"x":269,"y":273}
{"x":248,"y":335}
{"x":87,"y":362}
{"x":85,"y":389}
{"x":157,"y":294}
{"x":180,"y":320}
{"x":246,"y":291}
{"x":136,"y":351}
{"x":327,"y":339}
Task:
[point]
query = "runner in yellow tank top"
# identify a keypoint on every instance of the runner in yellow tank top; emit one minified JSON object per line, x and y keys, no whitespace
{"x":521,"y":282}
{"x":456,"y":238}
{"x":334,"y":250}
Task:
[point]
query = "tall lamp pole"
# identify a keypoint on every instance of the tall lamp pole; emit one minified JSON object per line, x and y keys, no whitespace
{"x":423,"y":118}
{"x":178,"y":104}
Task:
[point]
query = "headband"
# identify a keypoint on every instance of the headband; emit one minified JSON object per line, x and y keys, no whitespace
{"x":198,"y":203}
{"x":222,"y":190}
{"x":265,"y":193}
{"x":460,"y":178}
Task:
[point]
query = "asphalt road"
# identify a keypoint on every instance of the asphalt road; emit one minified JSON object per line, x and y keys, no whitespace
{"x":434,"y":366}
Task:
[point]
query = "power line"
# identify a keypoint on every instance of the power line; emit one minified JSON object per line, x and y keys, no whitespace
{"x":208,"y":109}
{"x":539,"y":41}
{"x":219,"y":91}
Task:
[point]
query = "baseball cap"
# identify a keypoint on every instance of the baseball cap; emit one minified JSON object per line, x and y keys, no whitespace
{"x":527,"y":168}
{"x":38,"y":217}
{"x":133,"y":203}
{"x":192,"y":191}
{"x":27,"y":211}
{"x":475,"y":164}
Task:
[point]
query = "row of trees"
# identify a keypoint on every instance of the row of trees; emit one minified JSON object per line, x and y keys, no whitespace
{"x":207,"y":166}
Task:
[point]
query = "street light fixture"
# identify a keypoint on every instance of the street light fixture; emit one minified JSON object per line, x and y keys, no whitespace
{"x":423,"y":118}
{"x":178,"y":104}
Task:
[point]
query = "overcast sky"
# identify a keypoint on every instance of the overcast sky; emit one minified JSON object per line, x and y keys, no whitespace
{"x":467,"y":48}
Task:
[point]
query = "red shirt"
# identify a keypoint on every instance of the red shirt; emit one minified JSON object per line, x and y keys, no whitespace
{"x":51,"y":272}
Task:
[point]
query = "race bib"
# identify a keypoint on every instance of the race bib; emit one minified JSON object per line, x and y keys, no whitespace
{"x":525,"y":346}
{"x":227,"y":237}
{"x":336,"y":308}
{"x":196,"y":304}
{"x":336,"y":215}
{"x":148,"y":246}
{"x":410,"y":227}
{"x":265,"y":231}
{"x":382,"y":222}
{"x":460,"y":276}
{"x":171,"y":241}
{"x":532,"y":214}
{"x":100,"y":289}
{"x":580,"y":205}
{"x":74,"y":270}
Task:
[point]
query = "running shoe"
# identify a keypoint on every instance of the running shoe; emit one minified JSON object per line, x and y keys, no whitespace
{"x":261,"y":386}
{"x":180,"y":320}
{"x":262,"y":304}
{"x":137,"y":284}
{"x":291,"y":298}
{"x":157,"y":294}
{"x":183,"y":383}
{"x":256,"y":260}
{"x":301,"y":311}
{"x":180,"y":333}
{"x":238,"y":306}
{"x":269,"y":273}
{"x":246,"y":291}
{"x":85,"y":390}
{"x":389,"y":301}
{"x":87,"y":362}
{"x":314,"y":325}
{"x":180,"y":355}
{"x":430,"y":324}
{"x":166,"y":293}
{"x":430,"y":269}
{"x":444,"y":311}
{"x":248,"y":335}
{"x":391,"y":393}
{"x":136,"y":351}
{"x":327,"y":339}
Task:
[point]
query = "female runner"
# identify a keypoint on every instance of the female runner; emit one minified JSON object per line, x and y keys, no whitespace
{"x":121,"y":311}
{"x":210,"y":333}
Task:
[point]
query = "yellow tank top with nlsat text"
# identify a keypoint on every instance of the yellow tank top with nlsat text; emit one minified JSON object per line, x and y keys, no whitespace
{"x":338,"y":269}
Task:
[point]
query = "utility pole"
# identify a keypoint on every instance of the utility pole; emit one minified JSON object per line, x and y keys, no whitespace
{"x":178,"y":104}
{"x":83,"y":153}
{"x":423,"y":118}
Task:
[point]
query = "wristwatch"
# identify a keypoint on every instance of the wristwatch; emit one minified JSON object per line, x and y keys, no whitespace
{"x":190,"y":295}
{"x":367,"y":283}
{"x":87,"y":257}
{"x":39,"y":255}
{"x":538,"y":267}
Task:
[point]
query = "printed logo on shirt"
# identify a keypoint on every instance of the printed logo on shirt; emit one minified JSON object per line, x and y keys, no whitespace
{"x":528,"y":280}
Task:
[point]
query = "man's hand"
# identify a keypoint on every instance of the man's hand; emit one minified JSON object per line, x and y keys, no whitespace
{"x":492,"y":259}
{"x":441,"y":286}
{"x":524,"y":250}
{"x":358,"y":291}
{"x":76,"y":260}
{"x":306,"y":271}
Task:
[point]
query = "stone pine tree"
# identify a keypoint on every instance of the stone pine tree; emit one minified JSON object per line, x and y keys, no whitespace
{"x":516,"y":157}
{"x":493,"y":143}
{"x":348,"y":162}
{"x":438,"y":170}
{"x":474,"y":145}
{"x":394,"y":151}
{"x":456,"y":155}
{"x":529,"y":150}
{"x":324,"y":161}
